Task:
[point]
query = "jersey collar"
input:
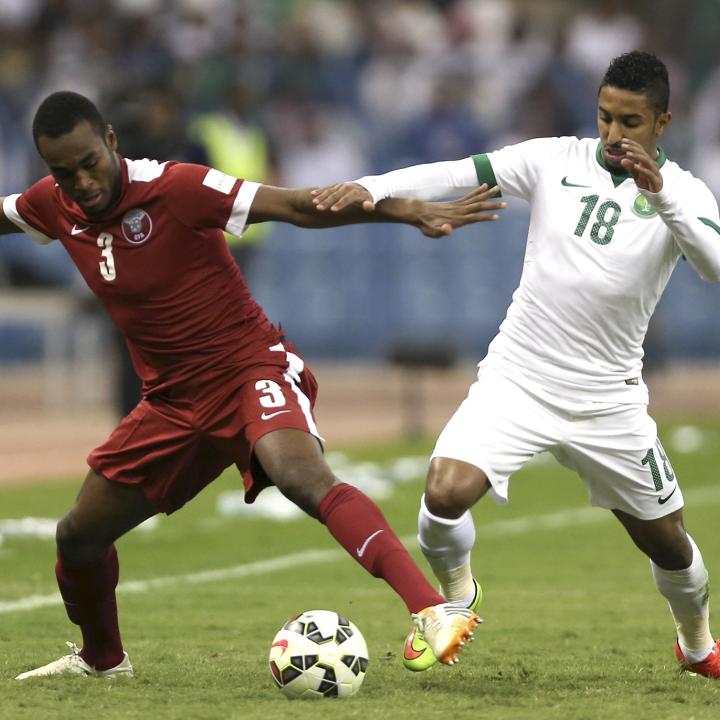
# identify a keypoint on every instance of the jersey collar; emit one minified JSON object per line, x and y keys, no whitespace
{"x":619,"y":176}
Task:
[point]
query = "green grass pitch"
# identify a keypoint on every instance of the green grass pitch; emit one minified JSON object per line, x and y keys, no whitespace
{"x":573,"y":625}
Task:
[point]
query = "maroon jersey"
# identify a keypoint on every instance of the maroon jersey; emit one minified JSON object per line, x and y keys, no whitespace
{"x":159,"y":263}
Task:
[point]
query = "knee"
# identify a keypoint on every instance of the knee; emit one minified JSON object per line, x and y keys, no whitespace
{"x":75,"y":543}
{"x":453,"y":487}
{"x":672,"y":554}
{"x":439,"y":497}
{"x":668,"y":546}
{"x":66,"y":536}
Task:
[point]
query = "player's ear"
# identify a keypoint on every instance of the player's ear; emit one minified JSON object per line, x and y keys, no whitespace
{"x":662,"y":122}
{"x":111,"y":138}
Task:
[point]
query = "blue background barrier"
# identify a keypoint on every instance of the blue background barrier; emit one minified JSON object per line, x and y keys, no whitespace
{"x":355,"y":292}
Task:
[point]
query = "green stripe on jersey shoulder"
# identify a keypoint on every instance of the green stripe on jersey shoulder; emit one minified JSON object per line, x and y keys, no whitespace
{"x":710,"y":224}
{"x":484,"y":170}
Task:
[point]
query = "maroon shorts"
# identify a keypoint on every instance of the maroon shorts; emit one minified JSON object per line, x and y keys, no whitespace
{"x":174,"y":443}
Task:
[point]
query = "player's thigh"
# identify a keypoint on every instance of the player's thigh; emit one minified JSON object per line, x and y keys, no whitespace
{"x":289,"y":452}
{"x":294,"y":463}
{"x":159,"y":449}
{"x":498,"y":428}
{"x":616,"y":451}
{"x":271,"y":435}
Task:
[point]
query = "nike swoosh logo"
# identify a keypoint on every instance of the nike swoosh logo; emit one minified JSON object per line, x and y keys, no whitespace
{"x":663,"y":500}
{"x":280,"y":643}
{"x":267,"y":416}
{"x":361,"y":550}
{"x":75,"y":230}
{"x":566,"y":183}
{"x":410,"y":653}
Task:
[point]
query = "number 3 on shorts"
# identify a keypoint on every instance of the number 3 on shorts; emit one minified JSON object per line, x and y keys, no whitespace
{"x":272,"y":396}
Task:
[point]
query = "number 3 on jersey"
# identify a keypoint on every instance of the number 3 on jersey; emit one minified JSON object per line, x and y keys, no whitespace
{"x":107,"y":264}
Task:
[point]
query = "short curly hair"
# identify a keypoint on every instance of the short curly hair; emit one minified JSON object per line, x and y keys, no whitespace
{"x":61,"y":111}
{"x":640,"y":72}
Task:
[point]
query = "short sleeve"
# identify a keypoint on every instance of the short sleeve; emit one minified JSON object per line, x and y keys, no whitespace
{"x":517,"y":168}
{"x":203,"y":197}
{"x":33,"y":211}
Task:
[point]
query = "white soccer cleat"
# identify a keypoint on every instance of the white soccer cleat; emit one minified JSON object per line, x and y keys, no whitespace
{"x":73,"y":664}
{"x":446,"y":628}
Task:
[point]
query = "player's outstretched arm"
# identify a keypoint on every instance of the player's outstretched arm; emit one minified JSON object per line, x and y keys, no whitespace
{"x":423,"y":182}
{"x":6,"y":226}
{"x":433,"y":219}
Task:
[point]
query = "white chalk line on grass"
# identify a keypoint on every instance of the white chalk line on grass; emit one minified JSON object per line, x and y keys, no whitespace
{"x":517,"y":526}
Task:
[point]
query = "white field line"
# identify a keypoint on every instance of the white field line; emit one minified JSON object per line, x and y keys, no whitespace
{"x":517,"y":526}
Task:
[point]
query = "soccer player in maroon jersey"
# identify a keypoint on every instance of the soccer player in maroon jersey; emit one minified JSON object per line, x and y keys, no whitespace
{"x":221,"y":384}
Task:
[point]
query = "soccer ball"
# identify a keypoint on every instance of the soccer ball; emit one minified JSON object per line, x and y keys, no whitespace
{"x":318,"y":654}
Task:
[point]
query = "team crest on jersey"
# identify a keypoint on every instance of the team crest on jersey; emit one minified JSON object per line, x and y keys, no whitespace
{"x":136,"y":226}
{"x":642,"y":207}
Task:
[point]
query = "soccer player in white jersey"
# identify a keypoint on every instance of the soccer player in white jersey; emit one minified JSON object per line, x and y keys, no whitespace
{"x":610,"y":218}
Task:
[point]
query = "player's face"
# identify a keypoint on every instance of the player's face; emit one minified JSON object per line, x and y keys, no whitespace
{"x":84,"y":165}
{"x":627,"y":114}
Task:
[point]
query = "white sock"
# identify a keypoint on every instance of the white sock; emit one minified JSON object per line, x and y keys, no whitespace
{"x":687,"y":594}
{"x":446,"y":543}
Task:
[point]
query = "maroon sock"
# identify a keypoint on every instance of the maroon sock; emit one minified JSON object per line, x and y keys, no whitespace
{"x":358,"y":525}
{"x":89,"y":595}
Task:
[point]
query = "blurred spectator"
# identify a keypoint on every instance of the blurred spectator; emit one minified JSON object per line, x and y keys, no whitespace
{"x":307,"y":92}
{"x":448,"y":128}
{"x":395,"y":84}
{"x":705,"y":154}
{"x":18,"y":14}
{"x":341,"y":87}
{"x":317,"y":146}
{"x":544,"y":114}
{"x":140,"y":54}
{"x":380,"y":67}
{"x":152,"y":123}
{"x":196,"y":26}
{"x":601,"y":32}
{"x":235,"y":143}
{"x":320,"y":45}
{"x":480,"y":35}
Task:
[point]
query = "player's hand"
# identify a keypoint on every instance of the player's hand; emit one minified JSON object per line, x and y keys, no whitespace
{"x":437,"y":219}
{"x":342,"y":195}
{"x":641,"y":166}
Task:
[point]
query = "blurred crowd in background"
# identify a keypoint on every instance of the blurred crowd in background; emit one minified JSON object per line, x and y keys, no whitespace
{"x":331,"y":89}
{"x":308,"y":92}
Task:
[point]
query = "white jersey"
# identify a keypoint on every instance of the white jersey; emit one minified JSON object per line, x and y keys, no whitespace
{"x":598,"y":258}
{"x":599,"y":254}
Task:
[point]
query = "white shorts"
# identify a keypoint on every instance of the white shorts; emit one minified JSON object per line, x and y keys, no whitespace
{"x":613,"y":447}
